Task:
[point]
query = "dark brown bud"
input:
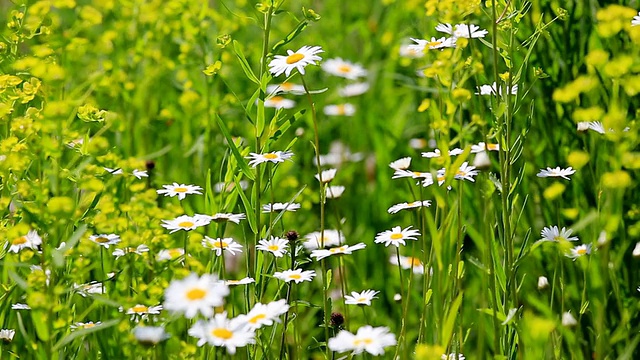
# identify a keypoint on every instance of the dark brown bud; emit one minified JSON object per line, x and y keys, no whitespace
{"x":292,"y":235}
{"x":337,"y":320}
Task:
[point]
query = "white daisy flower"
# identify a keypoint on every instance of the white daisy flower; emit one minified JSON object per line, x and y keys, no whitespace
{"x":636,"y":250}
{"x":234,"y":218}
{"x":219,"y":244}
{"x":481,"y":146}
{"x":578,"y":251}
{"x":353,"y":89}
{"x":462,"y":30}
{"x":181,"y":190}
{"x":452,"y":356}
{"x":140,"y":173}
{"x":433,"y":44}
{"x":412,"y":174}
{"x":286,"y":87}
{"x":275,"y":245}
{"x":87,"y":325}
{"x":361,"y":298}
{"x":320,"y":254}
{"x":493,"y":90}
{"x":295,"y":275}
{"x":280,"y":207}
{"x":7,"y":335}
{"x":466,"y":172}
{"x":339,"y":110}
{"x":416,"y":143}
{"x":141,"y":249}
{"x":326,"y":175}
{"x":568,"y":319}
{"x":410,"y":51}
{"x":220,"y":331}
{"x":369,"y":339}
{"x":143,"y":311}
{"x":401,"y":164}
{"x":279,"y":102}
{"x":553,"y":234}
{"x":185,"y":222}
{"x":334,"y":192}
{"x":412,"y":205}
{"x":557,"y":172}
{"x":105,"y":239}
{"x":396,"y":236}
{"x":343,"y":68}
{"x":265,"y":314}
{"x":436,"y":153}
{"x":169,"y":254}
{"x":408,"y":262}
{"x":32,"y":240}
{"x":20,"y":307}
{"x":317,"y":240}
{"x":150,"y":335}
{"x":91,"y":288}
{"x":295,"y":60}
{"x":195,"y":294}
{"x":274,"y":157}
{"x":228,"y":187}
{"x":636,"y":20}
{"x":596,"y":126}
{"x":543,"y":282}
{"x":117,"y":171}
{"x":582,"y":126}
{"x":243,"y":281}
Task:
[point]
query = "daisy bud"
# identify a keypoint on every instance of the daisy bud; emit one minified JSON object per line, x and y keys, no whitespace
{"x":292,"y":235}
{"x":337,"y":320}
{"x":583,"y":126}
{"x":636,"y":250}
{"x":482,"y":161}
{"x":543,"y":282}
{"x":568,"y":319}
{"x":7,"y":335}
{"x":602,"y":239}
{"x":397,"y":297}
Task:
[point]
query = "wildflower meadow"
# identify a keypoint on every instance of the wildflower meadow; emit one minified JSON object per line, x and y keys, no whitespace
{"x":294,"y":179}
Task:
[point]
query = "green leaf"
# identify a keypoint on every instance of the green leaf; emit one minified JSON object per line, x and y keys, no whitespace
{"x":82,"y":332}
{"x":242,"y":162}
{"x":244,"y":63}
{"x":329,"y":278}
{"x":449,"y":323}
{"x":292,"y":35}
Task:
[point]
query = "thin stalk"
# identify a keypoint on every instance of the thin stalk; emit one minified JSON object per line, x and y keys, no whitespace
{"x":405,"y":298}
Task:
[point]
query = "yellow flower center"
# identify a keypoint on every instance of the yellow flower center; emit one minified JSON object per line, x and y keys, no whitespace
{"x":220,"y":244}
{"x":19,"y":241}
{"x":294,"y":58}
{"x":344,"y":68}
{"x":413,"y":261}
{"x":581,"y":251}
{"x":413,"y":203}
{"x":257,"y":318}
{"x":174,"y":253}
{"x":362,"y":299}
{"x":102,"y":240}
{"x":340,"y":109}
{"x":396,"y":236}
{"x":277,"y":99}
{"x":88,"y":325}
{"x":140,"y":309}
{"x":222,"y":333}
{"x":286,"y":86}
{"x":461,"y":173}
{"x":185,"y":224}
{"x":441,"y":178}
{"x":295,"y":276}
{"x":434,"y":43}
{"x":493,"y":147}
{"x":270,"y":156}
{"x":273,"y":247}
{"x":365,"y":341}
{"x":180,"y":189}
{"x":233,"y":281}
{"x":196,"y":294}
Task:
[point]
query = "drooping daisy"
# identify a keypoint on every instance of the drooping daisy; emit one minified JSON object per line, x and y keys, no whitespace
{"x":462,"y":30}
{"x":396,"y":236}
{"x":141,"y":249}
{"x":343,"y":68}
{"x":117,"y":171}
{"x":553,"y":234}
{"x":243,"y":281}
{"x":274,"y":157}
{"x":334,"y":192}
{"x":7,"y":335}
{"x":320,"y":254}
{"x":410,"y":51}
{"x":221,"y":331}
{"x":279,"y":102}
{"x":481,"y":146}
{"x":557,"y":172}
{"x":543,"y":282}
{"x":140,"y":173}
{"x":317,"y":240}
{"x":578,"y":251}
{"x":170,"y":254}
{"x":195,"y":294}
{"x":353,"y":89}
{"x":568,"y":319}
{"x":482,"y":161}
{"x":433,"y":44}
{"x":143,"y":311}
{"x":87,"y":325}
{"x":32,"y":240}
{"x":452,"y":356}
{"x":286,"y":87}
{"x":596,"y":126}
{"x":401,"y":164}
{"x":636,"y":20}
{"x":345,"y":109}
{"x":369,"y":339}
{"x":275,"y":245}
{"x":636,"y":250}
{"x":219,"y":244}
{"x":234,"y":218}
{"x":297,"y":275}
{"x":493,"y":89}
{"x":307,"y":55}
{"x":361,"y":298}
{"x":105,"y":239}
{"x":280,"y":207}
{"x":185,"y":222}
{"x":93,"y":287}
{"x":181,"y":190}
{"x":466,"y":172}
{"x":150,"y":335}
{"x":408,"y":262}
{"x":19,"y":306}
{"x":326,"y":175}
{"x":412,"y":205}
{"x":264,"y":314}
